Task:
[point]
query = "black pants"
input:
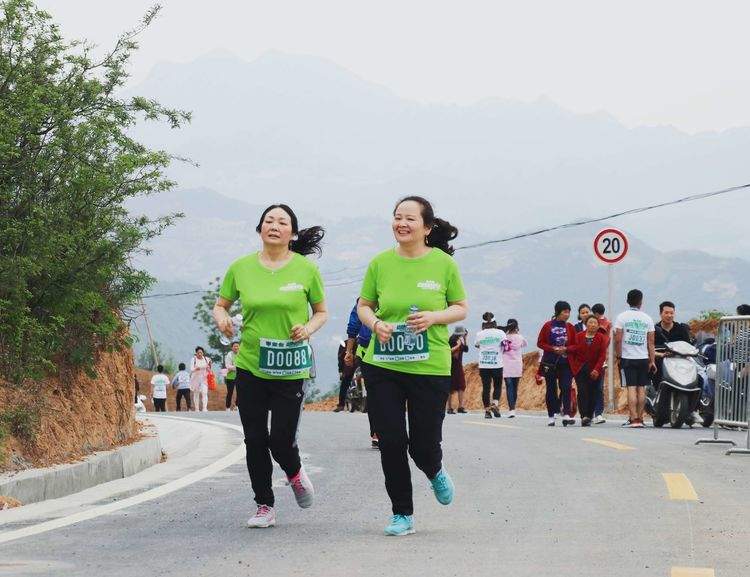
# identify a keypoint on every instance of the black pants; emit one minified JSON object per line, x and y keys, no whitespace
{"x":257,"y":397}
{"x":490,"y":377}
{"x":188,"y":402}
{"x":558,"y":375}
{"x":586,"y":392}
{"x":230,"y":391}
{"x":343,"y":388}
{"x":389,"y":394}
{"x":160,"y":405}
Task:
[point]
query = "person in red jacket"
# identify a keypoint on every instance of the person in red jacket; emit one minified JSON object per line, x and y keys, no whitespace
{"x":555,"y":339}
{"x":587,"y":363}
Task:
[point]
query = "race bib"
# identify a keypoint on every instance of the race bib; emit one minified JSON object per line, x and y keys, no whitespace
{"x":635,"y":338}
{"x":491,"y":357}
{"x":284,"y":358}
{"x":399,"y":350}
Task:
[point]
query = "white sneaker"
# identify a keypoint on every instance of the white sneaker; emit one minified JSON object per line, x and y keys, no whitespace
{"x":264,"y":517}
{"x":551,"y":422}
{"x":599,"y":420}
{"x":227,"y":410}
{"x":204,"y":410}
{"x":302,"y":488}
{"x":697,"y":419}
{"x":511,"y":414}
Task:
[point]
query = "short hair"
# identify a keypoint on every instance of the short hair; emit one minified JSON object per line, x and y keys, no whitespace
{"x":598,"y":309}
{"x":665,"y":304}
{"x":181,"y":367}
{"x":159,"y":369}
{"x":234,"y":343}
{"x":635,"y":298}
{"x":588,"y":318}
{"x":743,"y":310}
{"x":199,"y":348}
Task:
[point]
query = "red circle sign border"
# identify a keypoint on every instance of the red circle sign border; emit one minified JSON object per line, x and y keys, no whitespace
{"x":624,"y":242}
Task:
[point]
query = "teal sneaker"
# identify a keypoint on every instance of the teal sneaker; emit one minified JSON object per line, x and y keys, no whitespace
{"x":442,"y":486}
{"x":400,"y":525}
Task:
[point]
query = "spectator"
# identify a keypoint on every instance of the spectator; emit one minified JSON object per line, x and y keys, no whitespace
{"x":587,"y":362}
{"x":584,"y":311}
{"x":181,"y":382}
{"x":489,"y":341}
{"x":605,"y":327}
{"x":199,"y":367}
{"x":457,"y":343}
{"x":555,"y":338}
{"x":512,"y":363}
{"x":634,"y":349}
{"x":159,"y":384}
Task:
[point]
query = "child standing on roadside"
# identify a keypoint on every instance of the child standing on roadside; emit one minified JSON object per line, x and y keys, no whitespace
{"x":159,"y":384}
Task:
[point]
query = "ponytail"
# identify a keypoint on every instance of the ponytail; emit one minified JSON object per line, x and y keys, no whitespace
{"x":489,"y":321}
{"x":441,"y":233}
{"x":308,"y":239}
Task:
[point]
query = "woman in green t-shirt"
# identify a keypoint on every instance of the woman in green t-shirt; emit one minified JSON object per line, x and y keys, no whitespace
{"x":277,"y":287}
{"x":409,"y":295}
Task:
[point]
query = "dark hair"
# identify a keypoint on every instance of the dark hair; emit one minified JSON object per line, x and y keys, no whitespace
{"x":598,"y":308}
{"x":159,"y":369}
{"x":635,"y":298}
{"x":199,"y":348}
{"x":308,"y":239}
{"x":181,"y":367}
{"x":511,"y":326}
{"x":561,"y":306}
{"x":743,"y":310}
{"x":669,"y":304}
{"x":588,"y":318}
{"x":580,"y":308}
{"x":442,"y":231}
{"x":489,"y":321}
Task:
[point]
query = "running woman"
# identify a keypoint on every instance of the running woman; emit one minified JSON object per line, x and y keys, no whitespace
{"x":489,"y":341}
{"x":556,"y":337}
{"x":409,"y":295}
{"x":513,"y":363}
{"x":277,"y":287}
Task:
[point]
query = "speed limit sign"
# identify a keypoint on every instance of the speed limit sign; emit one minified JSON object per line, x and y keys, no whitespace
{"x":611,"y":245}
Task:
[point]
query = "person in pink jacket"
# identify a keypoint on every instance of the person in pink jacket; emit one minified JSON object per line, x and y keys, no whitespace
{"x":513,"y":362}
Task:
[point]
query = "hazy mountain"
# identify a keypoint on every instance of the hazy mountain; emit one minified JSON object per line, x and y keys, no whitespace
{"x":311,"y":133}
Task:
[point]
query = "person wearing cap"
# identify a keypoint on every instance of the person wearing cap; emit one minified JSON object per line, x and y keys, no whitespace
{"x":458,"y":346}
{"x":489,"y":341}
{"x":556,"y":339}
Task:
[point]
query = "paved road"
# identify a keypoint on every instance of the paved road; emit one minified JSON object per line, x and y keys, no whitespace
{"x":531,"y":501}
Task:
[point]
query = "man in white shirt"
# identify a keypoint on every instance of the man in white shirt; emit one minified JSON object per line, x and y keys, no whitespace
{"x":159,"y":384}
{"x":634,"y":350}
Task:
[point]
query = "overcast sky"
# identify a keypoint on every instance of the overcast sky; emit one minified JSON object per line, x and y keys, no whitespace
{"x":678,"y":62}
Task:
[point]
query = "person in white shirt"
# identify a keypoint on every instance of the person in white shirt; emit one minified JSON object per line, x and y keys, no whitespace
{"x":181,"y":382}
{"x":489,"y":341}
{"x":159,"y":384}
{"x":634,"y":351}
{"x":199,"y":367}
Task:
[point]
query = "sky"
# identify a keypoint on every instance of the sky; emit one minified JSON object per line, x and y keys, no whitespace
{"x":679,"y":63}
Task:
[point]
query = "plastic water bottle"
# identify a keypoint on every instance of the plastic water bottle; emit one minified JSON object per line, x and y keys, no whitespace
{"x":237,"y":323}
{"x":410,"y":337}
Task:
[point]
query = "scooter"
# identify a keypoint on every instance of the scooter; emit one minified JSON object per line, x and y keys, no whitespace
{"x":674,"y":399}
{"x":707,"y":372}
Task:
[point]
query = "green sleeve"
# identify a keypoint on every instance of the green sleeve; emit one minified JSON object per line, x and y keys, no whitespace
{"x":455,"y":287}
{"x":229,"y":287}
{"x":369,"y":290}
{"x":315,"y":293}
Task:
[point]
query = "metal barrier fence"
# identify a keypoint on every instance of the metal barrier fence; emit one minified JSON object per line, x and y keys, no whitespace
{"x":732,"y":383}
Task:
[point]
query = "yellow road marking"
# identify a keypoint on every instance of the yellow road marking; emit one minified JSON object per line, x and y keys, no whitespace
{"x":691,"y":572}
{"x":610,"y":444}
{"x":491,"y":425}
{"x":680,"y":488}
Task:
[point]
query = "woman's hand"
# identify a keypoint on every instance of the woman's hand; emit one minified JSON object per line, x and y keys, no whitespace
{"x":349,"y":359}
{"x":383,"y":331}
{"x":594,"y":375}
{"x":299,"y":333}
{"x":420,"y":321}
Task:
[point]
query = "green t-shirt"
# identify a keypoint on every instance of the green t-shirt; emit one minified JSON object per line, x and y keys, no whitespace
{"x":273,"y":301}
{"x":430,"y":282}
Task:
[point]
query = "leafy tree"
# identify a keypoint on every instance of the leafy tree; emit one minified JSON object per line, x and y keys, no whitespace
{"x":67,"y":165}
{"x":146,"y":359}
{"x":712,"y":314}
{"x":204,"y":316}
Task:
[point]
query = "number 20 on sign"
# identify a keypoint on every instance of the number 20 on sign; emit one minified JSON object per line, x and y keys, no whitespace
{"x":610,"y":245}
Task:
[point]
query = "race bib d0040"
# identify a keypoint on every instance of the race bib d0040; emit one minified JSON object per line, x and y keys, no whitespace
{"x":283,"y":358}
{"x":402,"y":348}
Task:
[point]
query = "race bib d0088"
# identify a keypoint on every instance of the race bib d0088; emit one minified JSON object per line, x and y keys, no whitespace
{"x":280,"y":358}
{"x":402,"y":348}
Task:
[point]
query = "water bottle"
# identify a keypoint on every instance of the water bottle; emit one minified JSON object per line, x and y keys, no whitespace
{"x":237,"y":323}
{"x":410,"y":337}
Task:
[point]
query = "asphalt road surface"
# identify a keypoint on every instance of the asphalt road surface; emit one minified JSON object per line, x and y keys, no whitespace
{"x":530,"y":501}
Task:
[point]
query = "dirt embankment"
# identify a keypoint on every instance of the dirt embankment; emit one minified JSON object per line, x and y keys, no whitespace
{"x":78,"y":414}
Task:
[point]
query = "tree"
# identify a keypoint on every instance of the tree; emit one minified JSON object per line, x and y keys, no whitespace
{"x":204,"y":316}
{"x":67,"y":165}
{"x":146,"y":359}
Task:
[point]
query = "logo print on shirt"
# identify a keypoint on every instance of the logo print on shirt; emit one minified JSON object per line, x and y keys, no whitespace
{"x":429,"y":285}
{"x":292,"y":287}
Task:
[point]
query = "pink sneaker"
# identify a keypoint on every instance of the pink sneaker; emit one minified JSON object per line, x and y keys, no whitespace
{"x":264,"y":517}
{"x":303,"y":488}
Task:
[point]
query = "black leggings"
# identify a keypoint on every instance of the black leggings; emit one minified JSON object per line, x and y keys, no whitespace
{"x":256,"y":397}
{"x":586,"y":392}
{"x":188,"y":402}
{"x":160,"y":405}
{"x":230,"y":392}
{"x":389,"y":393}
{"x":490,"y":376}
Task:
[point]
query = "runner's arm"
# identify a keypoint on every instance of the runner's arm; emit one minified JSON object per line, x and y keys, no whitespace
{"x":423,"y":320}
{"x":317,"y":320}
{"x":366,"y":313}
{"x":222,"y":318}
{"x":651,"y":352}
{"x":618,"y":344}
